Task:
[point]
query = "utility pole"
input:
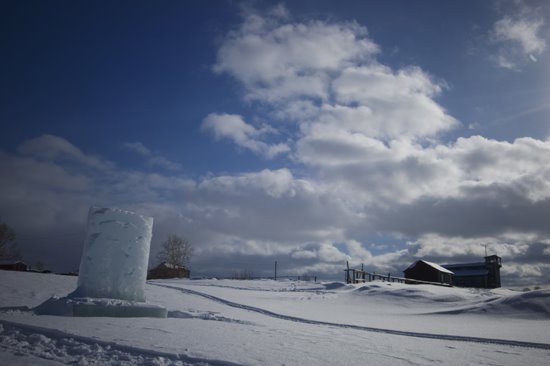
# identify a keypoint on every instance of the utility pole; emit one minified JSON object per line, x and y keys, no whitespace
{"x":275,"y":271}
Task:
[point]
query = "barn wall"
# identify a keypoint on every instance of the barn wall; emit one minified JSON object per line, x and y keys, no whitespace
{"x":424,"y":272}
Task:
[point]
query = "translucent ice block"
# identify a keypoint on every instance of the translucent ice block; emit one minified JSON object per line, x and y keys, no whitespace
{"x":115,"y":256}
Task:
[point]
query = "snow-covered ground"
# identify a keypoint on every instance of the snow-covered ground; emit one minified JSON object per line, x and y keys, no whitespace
{"x":264,"y":322}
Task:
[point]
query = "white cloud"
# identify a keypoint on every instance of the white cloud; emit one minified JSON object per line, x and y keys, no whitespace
{"x":276,"y":60}
{"x":486,"y":161}
{"x":519,"y":39}
{"x":273,"y":183}
{"x":49,"y":147}
{"x":152,"y":159}
{"x":321,"y":252}
{"x":395,"y":104}
{"x":234,"y":128}
{"x":364,"y":104}
{"x":523,"y":32}
{"x":304,"y":254}
{"x":137,"y":147}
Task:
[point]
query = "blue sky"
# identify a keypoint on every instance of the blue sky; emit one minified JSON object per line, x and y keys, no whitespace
{"x":308,"y":132}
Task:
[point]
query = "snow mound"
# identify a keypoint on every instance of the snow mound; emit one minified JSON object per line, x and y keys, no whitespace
{"x":532,"y":304}
{"x":414,"y":293}
{"x":337,"y":286}
{"x":31,"y":289}
{"x":537,"y":302}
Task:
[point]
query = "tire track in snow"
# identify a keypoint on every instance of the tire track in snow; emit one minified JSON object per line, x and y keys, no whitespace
{"x":66,"y":348}
{"x":447,"y":337}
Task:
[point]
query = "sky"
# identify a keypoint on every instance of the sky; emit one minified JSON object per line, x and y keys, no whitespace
{"x":310,"y":133}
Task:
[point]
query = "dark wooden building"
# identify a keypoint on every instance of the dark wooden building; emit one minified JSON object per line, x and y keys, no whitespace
{"x":481,"y":274}
{"x":422,"y":270}
{"x":13,"y":266}
{"x":166,"y":270}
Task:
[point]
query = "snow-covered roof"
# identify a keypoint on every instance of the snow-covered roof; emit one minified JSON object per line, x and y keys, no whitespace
{"x":433,"y":265}
{"x":171,"y":266}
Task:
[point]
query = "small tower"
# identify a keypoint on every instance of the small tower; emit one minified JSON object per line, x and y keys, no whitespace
{"x":493,"y":264}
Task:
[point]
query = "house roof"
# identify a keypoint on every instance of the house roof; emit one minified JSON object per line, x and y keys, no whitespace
{"x":464,"y":265}
{"x":471,"y":272}
{"x":7,"y":262}
{"x":171,"y":266}
{"x":433,"y":265}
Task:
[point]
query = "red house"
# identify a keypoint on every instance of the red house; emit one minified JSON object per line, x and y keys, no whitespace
{"x":167,"y":270}
{"x":13,"y":266}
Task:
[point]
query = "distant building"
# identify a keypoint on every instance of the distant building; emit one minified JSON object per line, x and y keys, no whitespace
{"x":425,"y":271}
{"x":481,"y":275}
{"x":13,"y":265}
{"x":166,"y":270}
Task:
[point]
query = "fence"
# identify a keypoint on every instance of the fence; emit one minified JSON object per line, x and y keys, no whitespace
{"x":361,"y":276}
{"x":358,"y":276}
{"x":249,"y":276}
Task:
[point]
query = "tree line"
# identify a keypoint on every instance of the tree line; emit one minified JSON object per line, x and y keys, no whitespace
{"x":176,"y":250}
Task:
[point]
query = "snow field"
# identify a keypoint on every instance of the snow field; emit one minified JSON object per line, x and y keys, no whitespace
{"x":237,"y":322}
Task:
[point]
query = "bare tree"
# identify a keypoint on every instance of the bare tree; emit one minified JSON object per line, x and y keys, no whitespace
{"x":243,"y":275}
{"x":176,"y":250}
{"x":8,"y":243}
{"x":39,"y":266}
